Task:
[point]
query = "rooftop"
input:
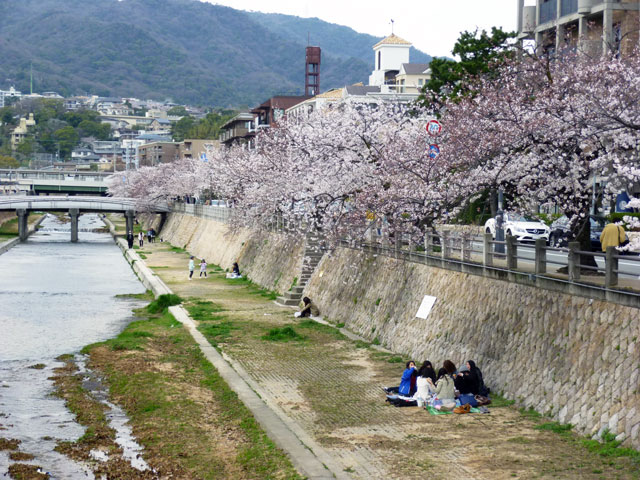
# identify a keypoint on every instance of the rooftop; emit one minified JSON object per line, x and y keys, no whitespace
{"x":415,"y":68}
{"x":392,"y":39}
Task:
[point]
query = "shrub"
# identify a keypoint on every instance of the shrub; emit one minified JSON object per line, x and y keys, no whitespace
{"x":163,"y":302}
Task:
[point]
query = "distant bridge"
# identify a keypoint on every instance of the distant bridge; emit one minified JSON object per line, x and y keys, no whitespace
{"x":53,"y":181}
{"x":24,"y":204}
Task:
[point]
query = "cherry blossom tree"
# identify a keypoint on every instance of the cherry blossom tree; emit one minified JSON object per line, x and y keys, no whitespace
{"x":541,"y":129}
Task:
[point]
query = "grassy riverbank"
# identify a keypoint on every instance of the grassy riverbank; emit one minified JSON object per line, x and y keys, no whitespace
{"x":192,"y":426}
{"x":330,"y":386}
{"x":190,"y":423}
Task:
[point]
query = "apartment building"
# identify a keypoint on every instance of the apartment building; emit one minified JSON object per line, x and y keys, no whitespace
{"x":591,"y":26}
{"x":155,"y":153}
{"x":240,"y":129}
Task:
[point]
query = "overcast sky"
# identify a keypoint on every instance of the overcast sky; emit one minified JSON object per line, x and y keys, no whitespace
{"x":433,"y":26}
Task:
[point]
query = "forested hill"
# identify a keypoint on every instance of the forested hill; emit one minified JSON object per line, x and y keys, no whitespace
{"x":185,"y":50}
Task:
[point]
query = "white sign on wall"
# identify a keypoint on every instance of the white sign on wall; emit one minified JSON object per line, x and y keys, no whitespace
{"x":426,"y":306}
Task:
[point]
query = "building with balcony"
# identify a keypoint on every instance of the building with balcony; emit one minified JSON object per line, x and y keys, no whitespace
{"x":239,"y":130}
{"x":412,"y":77}
{"x":590,"y":26}
{"x":196,"y":148}
{"x":274,"y":109}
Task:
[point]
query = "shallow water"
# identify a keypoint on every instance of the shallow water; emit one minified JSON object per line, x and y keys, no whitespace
{"x":55,"y":298}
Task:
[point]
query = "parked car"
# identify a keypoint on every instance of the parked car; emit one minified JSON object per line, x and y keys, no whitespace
{"x":525,"y":229}
{"x":560,"y":232}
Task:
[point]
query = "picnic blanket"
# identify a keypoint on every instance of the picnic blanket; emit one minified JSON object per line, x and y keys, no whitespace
{"x":435,"y":411}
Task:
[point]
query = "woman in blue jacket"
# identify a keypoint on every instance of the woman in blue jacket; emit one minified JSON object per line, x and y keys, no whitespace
{"x":407,"y":385}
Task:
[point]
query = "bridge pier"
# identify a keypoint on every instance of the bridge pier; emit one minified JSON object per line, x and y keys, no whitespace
{"x":23,"y":223}
{"x":129,"y":216}
{"x":74,"y":213}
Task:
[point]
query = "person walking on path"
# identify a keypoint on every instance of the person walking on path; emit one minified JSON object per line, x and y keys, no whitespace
{"x":130,"y":239}
{"x":203,"y":268}
{"x":612,"y":236}
{"x":192,"y":267}
{"x":140,"y":239}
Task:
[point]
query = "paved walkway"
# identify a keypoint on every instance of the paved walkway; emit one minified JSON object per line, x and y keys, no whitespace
{"x":326,"y":389}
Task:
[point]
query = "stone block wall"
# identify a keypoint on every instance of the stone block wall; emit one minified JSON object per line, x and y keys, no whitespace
{"x":573,"y":358}
{"x":271,"y":260}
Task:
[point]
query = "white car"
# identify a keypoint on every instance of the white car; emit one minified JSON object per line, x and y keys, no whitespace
{"x":523,"y":228}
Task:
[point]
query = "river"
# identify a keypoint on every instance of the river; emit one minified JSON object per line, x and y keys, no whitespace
{"x":55,"y":298}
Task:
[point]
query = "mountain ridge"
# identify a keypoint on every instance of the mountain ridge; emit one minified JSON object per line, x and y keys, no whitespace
{"x":185,"y":50}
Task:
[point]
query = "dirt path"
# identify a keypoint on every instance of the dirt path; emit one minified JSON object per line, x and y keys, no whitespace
{"x":330,"y":386}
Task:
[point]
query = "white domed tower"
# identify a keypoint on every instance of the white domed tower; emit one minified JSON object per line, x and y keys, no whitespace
{"x":390,"y":54}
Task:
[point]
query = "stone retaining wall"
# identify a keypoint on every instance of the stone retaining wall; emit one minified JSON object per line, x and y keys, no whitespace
{"x":272,"y":260}
{"x":573,"y":358}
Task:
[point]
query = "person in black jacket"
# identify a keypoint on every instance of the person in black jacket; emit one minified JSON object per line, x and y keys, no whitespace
{"x":476,"y":378}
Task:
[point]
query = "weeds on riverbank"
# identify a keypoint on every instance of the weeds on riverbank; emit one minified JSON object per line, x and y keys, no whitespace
{"x":191,"y":424}
{"x":163,"y":302}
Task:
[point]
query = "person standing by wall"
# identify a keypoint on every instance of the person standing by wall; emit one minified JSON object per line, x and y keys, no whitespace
{"x":140,"y":239}
{"x":130,"y":239}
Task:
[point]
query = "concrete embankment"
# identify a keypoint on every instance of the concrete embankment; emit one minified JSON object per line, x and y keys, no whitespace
{"x":5,"y":246}
{"x":573,"y":358}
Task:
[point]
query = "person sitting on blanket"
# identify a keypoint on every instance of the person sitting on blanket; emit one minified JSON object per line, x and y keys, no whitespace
{"x":445,"y":388}
{"x":407,"y":385}
{"x":423,"y":393}
{"x":466,"y":385}
{"x":476,"y":376}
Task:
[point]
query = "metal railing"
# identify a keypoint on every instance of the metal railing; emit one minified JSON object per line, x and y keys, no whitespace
{"x":481,"y":254}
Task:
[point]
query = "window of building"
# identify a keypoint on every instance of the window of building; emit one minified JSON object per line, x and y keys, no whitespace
{"x":420,"y":81}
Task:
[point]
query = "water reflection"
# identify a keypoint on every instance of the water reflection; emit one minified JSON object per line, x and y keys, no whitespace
{"x":55,"y":298}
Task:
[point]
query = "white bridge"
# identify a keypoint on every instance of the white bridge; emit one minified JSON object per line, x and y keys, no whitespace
{"x":24,"y":204}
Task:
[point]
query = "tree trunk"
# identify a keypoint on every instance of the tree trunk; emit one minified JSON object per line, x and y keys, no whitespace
{"x":493,"y":202}
{"x":583,"y":236}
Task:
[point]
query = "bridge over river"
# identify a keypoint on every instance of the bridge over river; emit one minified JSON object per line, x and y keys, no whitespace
{"x":75,"y":206}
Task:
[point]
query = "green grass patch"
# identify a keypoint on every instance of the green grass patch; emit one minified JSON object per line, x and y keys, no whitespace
{"x":283,"y":334}
{"x":148,"y":296}
{"x":395,"y":359}
{"x":218,"y":332}
{"x":294,"y":283}
{"x":129,"y":340}
{"x":608,"y":446}
{"x":499,"y":401}
{"x":203,"y":310}
{"x":311,"y":325}
{"x":163,"y":302}
{"x":340,"y":325}
{"x":176,"y":249}
{"x":252,"y":288}
{"x":555,"y":427}
{"x":530,"y":413}
{"x":10,"y":227}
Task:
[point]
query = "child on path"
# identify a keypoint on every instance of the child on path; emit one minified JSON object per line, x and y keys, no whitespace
{"x":192,"y":267}
{"x":203,"y":268}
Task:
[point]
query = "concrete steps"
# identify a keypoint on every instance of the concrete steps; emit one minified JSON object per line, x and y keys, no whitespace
{"x":313,"y":254}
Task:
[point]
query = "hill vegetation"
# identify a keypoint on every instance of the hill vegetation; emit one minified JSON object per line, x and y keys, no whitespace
{"x":184,"y":50}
